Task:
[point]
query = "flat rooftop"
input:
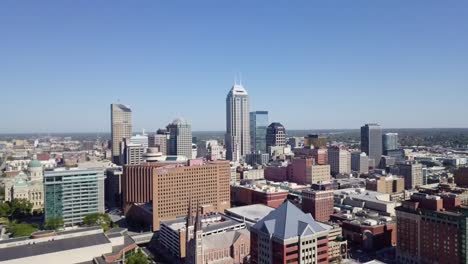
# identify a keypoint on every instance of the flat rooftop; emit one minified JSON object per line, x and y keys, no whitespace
{"x":210,"y":223}
{"x":252,"y":213}
{"x":48,"y":247}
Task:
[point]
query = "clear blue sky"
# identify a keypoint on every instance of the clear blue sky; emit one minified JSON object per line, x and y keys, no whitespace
{"x":312,"y":64}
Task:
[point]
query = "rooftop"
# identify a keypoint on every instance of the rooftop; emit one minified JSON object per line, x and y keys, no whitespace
{"x":210,"y":223}
{"x":252,"y":213}
{"x":288,"y":221}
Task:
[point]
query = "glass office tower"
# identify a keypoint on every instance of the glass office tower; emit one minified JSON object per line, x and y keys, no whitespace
{"x":258,"y":130}
{"x":72,"y":194}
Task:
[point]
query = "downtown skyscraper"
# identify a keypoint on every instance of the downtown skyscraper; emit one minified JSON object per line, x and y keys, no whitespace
{"x":180,"y":138}
{"x":121,"y":128}
{"x":237,"y":136}
{"x":371,"y":142}
{"x":258,"y":130}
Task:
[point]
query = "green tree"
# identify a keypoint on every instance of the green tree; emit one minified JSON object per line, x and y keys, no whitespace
{"x":53,"y":224}
{"x":21,"y":208}
{"x":99,"y":219}
{"x":22,"y":230}
{"x":5,"y":209}
{"x":137,"y":258}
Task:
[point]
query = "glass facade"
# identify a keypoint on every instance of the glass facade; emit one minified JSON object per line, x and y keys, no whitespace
{"x":73,"y":194}
{"x":258,"y":130}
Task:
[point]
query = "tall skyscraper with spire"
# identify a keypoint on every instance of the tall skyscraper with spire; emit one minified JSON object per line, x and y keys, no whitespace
{"x":237,"y":123}
{"x":121,"y":128}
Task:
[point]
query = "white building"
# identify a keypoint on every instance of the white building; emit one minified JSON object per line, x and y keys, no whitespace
{"x":339,"y":160}
{"x":237,"y":123}
{"x":27,"y":186}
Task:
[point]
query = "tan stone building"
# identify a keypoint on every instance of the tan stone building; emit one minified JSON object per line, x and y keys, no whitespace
{"x":390,"y":184}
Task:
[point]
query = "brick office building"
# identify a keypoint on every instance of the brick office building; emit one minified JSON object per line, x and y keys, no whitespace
{"x":318,"y":203}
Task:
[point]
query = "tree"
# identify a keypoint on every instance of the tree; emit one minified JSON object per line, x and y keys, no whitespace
{"x":137,"y":258}
{"x":21,"y":208}
{"x":22,"y":230}
{"x":5,"y":209}
{"x":53,"y":224}
{"x":102,"y":220}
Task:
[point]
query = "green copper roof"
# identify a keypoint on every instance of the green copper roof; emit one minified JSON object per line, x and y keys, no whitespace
{"x":35,"y":164}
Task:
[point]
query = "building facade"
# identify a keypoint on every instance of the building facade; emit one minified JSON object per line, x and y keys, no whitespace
{"x":360,"y":162}
{"x":237,"y":137}
{"x":287,"y":235}
{"x":159,"y":141}
{"x":318,"y":203}
{"x":339,"y":160}
{"x":168,"y":188}
{"x":275,"y":136}
{"x":371,"y":142}
{"x":72,"y":194}
{"x":180,"y":138}
{"x":27,"y":186}
{"x":412,"y":174}
{"x":389,"y":142}
{"x":121,"y":128}
{"x":258,"y":129}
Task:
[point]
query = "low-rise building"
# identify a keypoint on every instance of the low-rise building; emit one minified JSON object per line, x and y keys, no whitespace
{"x":359,"y":198}
{"x":86,"y":245}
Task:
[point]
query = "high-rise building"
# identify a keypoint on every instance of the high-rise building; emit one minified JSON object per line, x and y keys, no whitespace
{"x":316,"y":141}
{"x":339,"y":160}
{"x":371,"y":142}
{"x":133,"y":154}
{"x":140,"y":140}
{"x":180,"y":138}
{"x":360,"y":162}
{"x":287,"y":235}
{"x":275,"y":136}
{"x":258,"y":131}
{"x":305,"y":171}
{"x":432,"y":229}
{"x":237,"y":123}
{"x":412,"y":174}
{"x":389,"y":142}
{"x":121,"y":128}
{"x":318,"y":203}
{"x":159,"y":141}
{"x":169,"y":188}
{"x":72,"y":194}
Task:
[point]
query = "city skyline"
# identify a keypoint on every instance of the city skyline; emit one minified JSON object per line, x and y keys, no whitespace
{"x":154,"y":55}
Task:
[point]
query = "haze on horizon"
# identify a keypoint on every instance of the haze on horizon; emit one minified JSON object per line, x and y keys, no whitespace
{"x":312,"y":65}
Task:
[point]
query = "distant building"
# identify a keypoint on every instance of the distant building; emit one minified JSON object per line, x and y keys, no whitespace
{"x":316,"y":141}
{"x":318,"y":203}
{"x":27,"y":186}
{"x":257,"y":159}
{"x":121,"y":128}
{"x":390,"y":142}
{"x":287,"y":235}
{"x":390,"y":184}
{"x":304,"y":171}
{"x":371,"y":142}
{"x":412,"y":174}
{"x":237,"y":123}
{"x":275,"y":135}
{"x":339,"y":160}
{"x":360,"y":162}
{"x":133,"y":154}
{"x":72,"y":194}
{"x":258,"y":131}
{"x":159,"y":141}
{"x":180,"y":138}
{"x":140,"y":140}
{"x":461,"y":177}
